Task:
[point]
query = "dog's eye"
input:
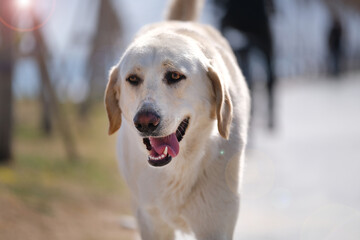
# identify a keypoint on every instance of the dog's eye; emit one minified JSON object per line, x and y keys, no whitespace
{"x":133,"y":80}
{"x":174,"y":77}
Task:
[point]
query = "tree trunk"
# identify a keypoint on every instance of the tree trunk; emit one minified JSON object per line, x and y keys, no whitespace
{"x":102,"y":53}
{"x":6,"y":65}
{"x":46,"y":123}
{"x":5,"y":110}
{"x":48,"y":89}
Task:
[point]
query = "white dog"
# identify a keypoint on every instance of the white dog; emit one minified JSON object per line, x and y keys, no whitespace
{"x":183,"y":107}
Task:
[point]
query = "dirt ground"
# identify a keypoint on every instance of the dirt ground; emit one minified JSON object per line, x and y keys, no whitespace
{"x":45,"y":196}
{"x":79,"y":218}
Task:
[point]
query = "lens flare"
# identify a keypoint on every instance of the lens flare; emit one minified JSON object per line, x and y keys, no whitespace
{"x":26,"y":5}
{"x":23,"y":3}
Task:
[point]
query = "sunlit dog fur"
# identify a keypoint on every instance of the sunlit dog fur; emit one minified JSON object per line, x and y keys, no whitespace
{"x":197,"y":192}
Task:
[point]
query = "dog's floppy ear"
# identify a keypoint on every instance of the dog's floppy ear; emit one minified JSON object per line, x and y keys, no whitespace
{"x":224,"y":108}
{"x":112,"y":95}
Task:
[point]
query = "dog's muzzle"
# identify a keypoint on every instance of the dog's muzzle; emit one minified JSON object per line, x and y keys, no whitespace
{"x":163,"y":149}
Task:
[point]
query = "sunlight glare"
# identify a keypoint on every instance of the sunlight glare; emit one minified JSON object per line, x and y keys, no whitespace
{"x":23,"y":3}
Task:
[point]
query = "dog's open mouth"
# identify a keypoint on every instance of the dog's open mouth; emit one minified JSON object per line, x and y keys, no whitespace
{"x":163,"y":149}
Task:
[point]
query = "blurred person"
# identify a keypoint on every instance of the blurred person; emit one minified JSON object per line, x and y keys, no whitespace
{"x":251,"y":18}
{"x":335,"y":33}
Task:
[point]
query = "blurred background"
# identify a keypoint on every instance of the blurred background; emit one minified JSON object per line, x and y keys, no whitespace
{"x":58,"y":173}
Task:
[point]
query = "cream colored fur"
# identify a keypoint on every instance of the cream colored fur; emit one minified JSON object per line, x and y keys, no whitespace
{"x":198,"y":190}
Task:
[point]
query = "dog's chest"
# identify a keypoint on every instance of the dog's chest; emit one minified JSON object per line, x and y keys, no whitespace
{"x":172,"y":201}
{"x":171,"y":195}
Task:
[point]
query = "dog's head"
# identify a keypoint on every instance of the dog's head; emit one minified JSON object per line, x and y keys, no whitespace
{"x":165,"y":87}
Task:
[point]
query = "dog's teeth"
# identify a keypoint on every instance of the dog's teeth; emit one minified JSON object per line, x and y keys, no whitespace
{"x":162,"y":156}
{"x":165,"y":151}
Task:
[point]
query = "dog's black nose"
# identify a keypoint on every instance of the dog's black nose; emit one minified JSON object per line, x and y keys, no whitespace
{"x":146,"y":121}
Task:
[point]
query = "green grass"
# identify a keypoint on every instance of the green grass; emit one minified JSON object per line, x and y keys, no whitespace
{"x":41,"y":173}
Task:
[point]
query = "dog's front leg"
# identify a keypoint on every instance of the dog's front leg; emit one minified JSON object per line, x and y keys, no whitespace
{"x":152,"y":227}
{"x":217,"y":225}
{"x":213,"y":210}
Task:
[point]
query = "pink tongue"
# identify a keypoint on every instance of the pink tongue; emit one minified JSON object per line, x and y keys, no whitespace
{"x":159,"y":144}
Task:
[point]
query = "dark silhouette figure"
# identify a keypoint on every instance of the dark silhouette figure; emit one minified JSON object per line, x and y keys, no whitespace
{"x":251,"y":18}
{"x":334,"y":46}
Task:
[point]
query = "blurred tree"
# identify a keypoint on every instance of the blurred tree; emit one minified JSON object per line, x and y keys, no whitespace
{"x":50,"y":100}
{"x":6,"y":65}
{"x":46,"y":123}
{"x":102,"y":53}
{"x":351,"y":3}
